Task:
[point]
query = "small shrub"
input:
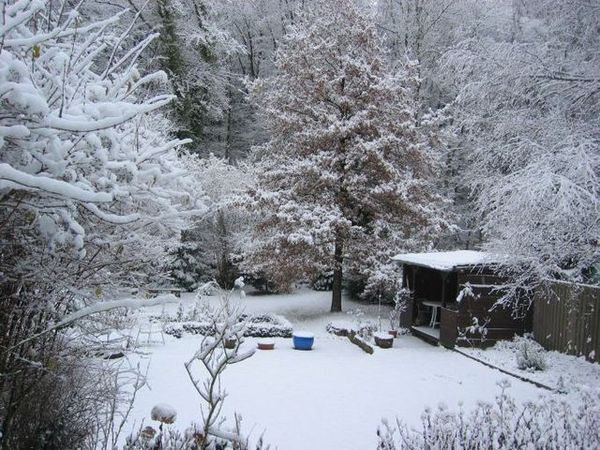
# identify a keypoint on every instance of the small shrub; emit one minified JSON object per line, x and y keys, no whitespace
{"x":530,"y":355}
{"x":178,"y":329}
{"x":268,"y":325}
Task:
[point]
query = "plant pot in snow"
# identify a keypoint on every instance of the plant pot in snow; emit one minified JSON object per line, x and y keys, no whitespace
{"x":303,"y":340}
{"x":266,"y":344}
{"x":230,"y":343}
{"x":383,"y":340}
{"x":393,"y":333}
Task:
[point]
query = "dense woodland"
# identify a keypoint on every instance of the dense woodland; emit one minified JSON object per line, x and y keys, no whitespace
{"x":172,"y":142}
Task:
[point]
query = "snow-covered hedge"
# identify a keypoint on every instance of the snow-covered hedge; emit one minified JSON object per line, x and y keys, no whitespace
{"x":265,"y":325}
{"x":268,"y":325}
{"x":549,"y":423}
{"x":178,"y":329}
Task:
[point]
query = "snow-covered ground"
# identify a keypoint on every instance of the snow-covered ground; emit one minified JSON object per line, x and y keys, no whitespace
{"x":565,"y":373}
{"x":333,"y":397}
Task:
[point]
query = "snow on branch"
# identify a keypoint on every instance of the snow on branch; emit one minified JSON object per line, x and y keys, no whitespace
{"x":12,"y":178}
{"x":131,"y":303}
{"x":61,"y":123}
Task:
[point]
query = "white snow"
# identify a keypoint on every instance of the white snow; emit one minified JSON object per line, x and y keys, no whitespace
{"x":304,"y":334}
{"x":131,"y":303}
{"x":11,"y":178}
{"x":447,"y":261}
{"x":383,"y":336}
{"x":333,"y":397}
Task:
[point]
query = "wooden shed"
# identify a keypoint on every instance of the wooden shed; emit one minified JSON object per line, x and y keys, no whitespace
{"x":454,"y":297}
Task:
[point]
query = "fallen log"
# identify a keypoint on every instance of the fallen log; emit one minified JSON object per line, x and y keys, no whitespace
{"x":364,"y":346}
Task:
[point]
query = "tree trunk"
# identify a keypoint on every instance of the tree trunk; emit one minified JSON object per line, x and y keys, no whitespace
{"x":338,"y":258}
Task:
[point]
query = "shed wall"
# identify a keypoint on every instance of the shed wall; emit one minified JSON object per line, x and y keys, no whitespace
{"x":499,"y":323}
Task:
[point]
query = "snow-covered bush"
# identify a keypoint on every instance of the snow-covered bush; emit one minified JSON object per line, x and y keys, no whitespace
{"x":476,"y":333}
{"x":323,"y":281}
{"x":372,"y":276}
{"x":549,"y":423}
{"x":268,"y":325}
{"x":170,"y":438}
{"x":264,"y":325}
{"x":163,"y":413}
{"x":530,"y":355}
{"x":178,"y":329}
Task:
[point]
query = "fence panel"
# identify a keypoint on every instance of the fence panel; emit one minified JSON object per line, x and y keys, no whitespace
{"x":566,"y":318}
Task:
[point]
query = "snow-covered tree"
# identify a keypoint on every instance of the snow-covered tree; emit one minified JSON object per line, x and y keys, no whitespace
{"x":193,"y":53}
{"x":528,"y":104}
{"x":209,"y":248}
{"x":424,"y":30}
{"x":92,"y":192}
{"x":82,"y":167}
{"x":347,"y":164}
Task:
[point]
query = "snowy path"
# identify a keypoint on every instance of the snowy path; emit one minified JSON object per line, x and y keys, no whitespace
{"x":333,"y":397}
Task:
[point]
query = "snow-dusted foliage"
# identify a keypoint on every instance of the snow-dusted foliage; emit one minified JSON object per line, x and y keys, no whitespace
{"x":346,"y":174}
{"x":530,"y":355}
{"x":548,"y":423}
{"x":83,"y":170}
{"x":258,"y":27}
{"x":526,"y":86}
{"x":194,"y":54}
{"x":210,"y":248}
{"x":92,"y":193}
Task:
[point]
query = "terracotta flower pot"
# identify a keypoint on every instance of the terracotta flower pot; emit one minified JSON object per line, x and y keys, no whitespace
{"x":393,"y":333}
{"x":266,"y":344}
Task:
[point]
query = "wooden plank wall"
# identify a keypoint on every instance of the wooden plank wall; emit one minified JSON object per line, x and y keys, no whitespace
{"x":566,"y":318}
{"x":503,"y":323}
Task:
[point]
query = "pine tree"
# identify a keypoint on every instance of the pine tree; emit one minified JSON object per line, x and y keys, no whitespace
{"x":189,"y":50}
{"x":347,"y":163}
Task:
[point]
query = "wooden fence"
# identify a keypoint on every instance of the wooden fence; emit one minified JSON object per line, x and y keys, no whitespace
{"x":566,"y":318}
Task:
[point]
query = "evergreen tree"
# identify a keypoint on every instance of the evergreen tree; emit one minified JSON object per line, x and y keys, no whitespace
{"x":189,"y":51}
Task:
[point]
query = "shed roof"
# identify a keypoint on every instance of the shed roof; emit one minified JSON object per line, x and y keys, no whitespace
{"x":448,"y":261}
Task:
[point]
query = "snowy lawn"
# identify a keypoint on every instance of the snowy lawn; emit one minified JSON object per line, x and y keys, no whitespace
{"x":333,"y":397}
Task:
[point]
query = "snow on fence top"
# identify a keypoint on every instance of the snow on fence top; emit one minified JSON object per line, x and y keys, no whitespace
{"x":447,"y":261}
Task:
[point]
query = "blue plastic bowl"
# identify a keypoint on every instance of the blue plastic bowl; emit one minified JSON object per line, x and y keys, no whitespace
{"x":303,"y":341}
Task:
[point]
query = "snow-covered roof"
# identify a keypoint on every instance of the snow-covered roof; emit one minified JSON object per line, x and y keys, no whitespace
{"x":447,"y":261}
